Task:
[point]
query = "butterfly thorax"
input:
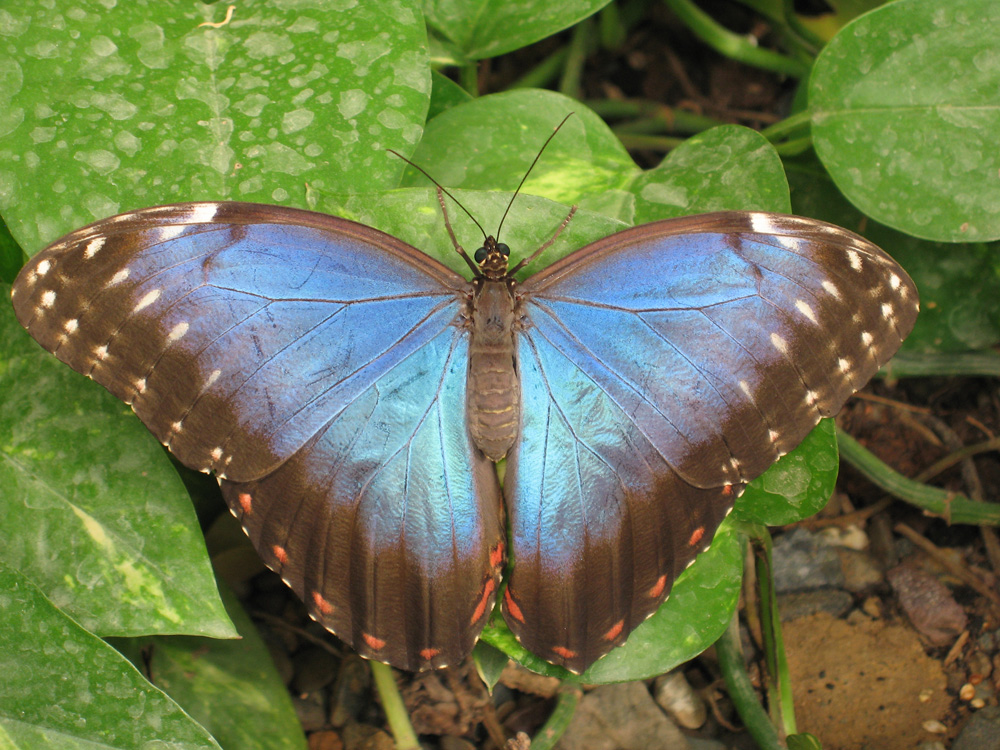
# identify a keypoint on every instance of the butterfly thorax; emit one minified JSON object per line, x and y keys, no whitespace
{"x":493,"y":395}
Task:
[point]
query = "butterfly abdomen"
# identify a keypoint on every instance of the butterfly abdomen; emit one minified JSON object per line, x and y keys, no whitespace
{"x":494,"y":391}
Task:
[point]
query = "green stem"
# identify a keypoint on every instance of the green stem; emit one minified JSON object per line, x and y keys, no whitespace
{"x":779,"y":686}
{"x":907,"y":365}
{"x":650,"y":142}
{"x":741,"y":691}
{"x":955,"y":508}
{"x":392,"y":704}
{"x":610,"y":27}
{"x":468,"y":78}
{"x":649,"y":116}
{"x":789,"y":126}
{"x":733,"y":45}
{"x":547,"y":737}
{"x":544,"y":73}
{"x":569,"y":83}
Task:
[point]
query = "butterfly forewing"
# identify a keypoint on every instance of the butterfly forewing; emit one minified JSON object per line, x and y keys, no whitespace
{"x":663,"y":368}
{"x":312,"y":362}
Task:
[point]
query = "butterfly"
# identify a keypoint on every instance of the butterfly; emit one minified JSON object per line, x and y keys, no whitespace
{"x":352,"y":395}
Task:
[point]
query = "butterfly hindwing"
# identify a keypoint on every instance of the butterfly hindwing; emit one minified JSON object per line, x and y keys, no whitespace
{"x":663,"y":368}
{"x":318,"y":367}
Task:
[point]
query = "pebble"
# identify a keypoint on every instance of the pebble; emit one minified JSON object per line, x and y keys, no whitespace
{"x":802,"y":562}
{"x":797,"y":604}
{"x":981,"y":731}
{"x":682,"y":703}
{"x":620,"y":717}
{"x":928,"y":603}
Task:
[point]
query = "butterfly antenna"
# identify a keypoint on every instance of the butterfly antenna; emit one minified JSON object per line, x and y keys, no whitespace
{"x":523,"y":179}
{"x":440,"y":187}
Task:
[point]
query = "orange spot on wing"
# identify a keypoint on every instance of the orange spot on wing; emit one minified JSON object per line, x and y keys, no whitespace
{"x":696,"y":536}
{"x":727,"y":490}
{"x":280,"y":554}
{"x":496,"y":556}
{"x":484,"y":600}
{"x":322,"y":604}
{"x":246,"y":503}
{"x":564,"y":652}
{"x":373,"y":643}
{"x":658,"y":587}
{"x":616,"y":630}
{"x":429,"y":653}
{"x":511,"y":606}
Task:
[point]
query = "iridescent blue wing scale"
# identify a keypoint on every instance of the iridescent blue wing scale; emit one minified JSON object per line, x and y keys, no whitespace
{"x":318,"y":367}
{"x":662,"y":369}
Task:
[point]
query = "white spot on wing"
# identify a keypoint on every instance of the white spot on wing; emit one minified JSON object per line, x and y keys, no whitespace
{"x":212,"y":378}
{"x":844,"y":365}
{"x":811,"y":398}
{"x":140,"y":385}
{"x":831,"y":288}
{"x":43,"y":268}
{"x":887,"y":311}
{"x":146,"y":301}
{"x":761,"y":223}
{"x":119,"y":277}
{"x":803,"y":307}
{"x":177,"y":427}
{"x":855,"y":259}
{"x":177,"y":332}
{"x":203,"y":213}
{"x":101,"y":352}
{"x":773,"y":436}
{"x":894,"y":281}
{"x":867,"y":338}
{"x":779,"y":343}
{"x":48,"y":298}
{"x":93,"y":246}
{"x":169,"y":231}
{"x":745,"y":387}
{"x":71,"y":325}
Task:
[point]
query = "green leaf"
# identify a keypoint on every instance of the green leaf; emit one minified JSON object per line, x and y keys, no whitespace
{"x":63,"y":687}
{"x":490,"y":663}
{"x":905,"y":116}
{"x":118,"y":106}
{"x":489,"y":143}
{"x":487,"y":28}
{"x":727,"y":168}
{"x":445,"y":94}
{"x":231,"y":687}
{"x":93,"y":511}
{"x":798,"y":486}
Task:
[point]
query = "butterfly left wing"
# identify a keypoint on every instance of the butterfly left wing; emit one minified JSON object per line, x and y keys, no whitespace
{"x":663,"y":368}
{"x":318,"y":367}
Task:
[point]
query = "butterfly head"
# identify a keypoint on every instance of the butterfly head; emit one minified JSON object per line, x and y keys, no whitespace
{"x":492,"y":259}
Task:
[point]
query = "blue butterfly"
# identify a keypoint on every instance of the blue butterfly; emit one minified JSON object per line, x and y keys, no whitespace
{"x":352,"y":394}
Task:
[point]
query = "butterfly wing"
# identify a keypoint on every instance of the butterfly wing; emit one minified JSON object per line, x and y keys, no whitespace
{"x":313,"y":364}
{"x":663,"y":368}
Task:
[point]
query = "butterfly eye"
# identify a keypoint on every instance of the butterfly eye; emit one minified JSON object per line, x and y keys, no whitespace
{"x":481,"y":254}
{"x":504,"y":250}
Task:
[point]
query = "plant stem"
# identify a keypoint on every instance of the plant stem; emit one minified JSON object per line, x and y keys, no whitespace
{"x":468,"y":78}
{"x":733,"y":45}
{"x":651,"y":116}
{"x":789,"y":126}
{"x":906,"y":365}
{"x":649,"y":142}
{"x":953,"y":507}
{"x":569,"y":83}
{"x":544,"y":73}
{"x":392,"y":704}
{"x":741,"y":691}
{"x":554,"y":728}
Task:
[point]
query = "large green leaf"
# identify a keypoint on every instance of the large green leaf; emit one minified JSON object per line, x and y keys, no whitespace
{"x":905,"y":116}
{"x":114,"y":106}
{"x":93,"y":511}
{"x":474,"y":29}
{"x":62,"y":687}
{"x":231,"y":687}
